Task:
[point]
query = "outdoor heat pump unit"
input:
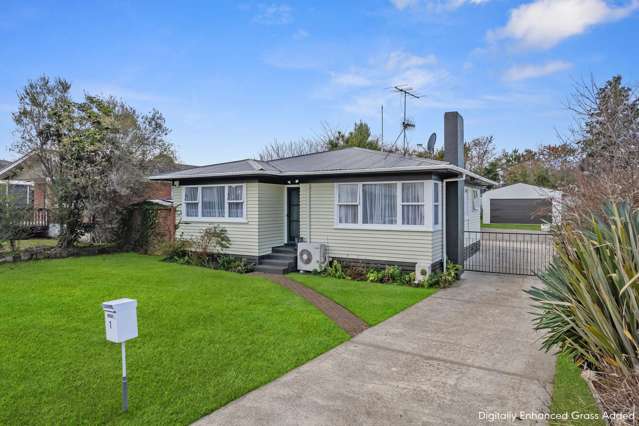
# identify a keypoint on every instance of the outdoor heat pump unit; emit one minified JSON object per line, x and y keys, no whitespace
{"x":312,"y":256}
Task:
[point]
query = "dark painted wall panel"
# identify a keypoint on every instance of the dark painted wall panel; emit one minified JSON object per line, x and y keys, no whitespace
{"x":534,"y":210}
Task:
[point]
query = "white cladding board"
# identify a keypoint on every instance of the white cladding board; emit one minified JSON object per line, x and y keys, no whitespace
{"x":120,"y":320}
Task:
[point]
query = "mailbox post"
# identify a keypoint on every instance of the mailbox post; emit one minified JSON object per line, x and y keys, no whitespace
{"x":121,"y":323}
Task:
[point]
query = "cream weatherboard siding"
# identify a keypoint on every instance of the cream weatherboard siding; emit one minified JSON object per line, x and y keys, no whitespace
{"x":317,"y":215}
{"x":244,"y":235}
{"x":472,"y":217}
{"x":270,"y":217}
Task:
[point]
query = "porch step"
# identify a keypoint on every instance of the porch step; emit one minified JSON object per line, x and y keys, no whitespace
{"x":281,"y":260}
{"x":285,"y":250}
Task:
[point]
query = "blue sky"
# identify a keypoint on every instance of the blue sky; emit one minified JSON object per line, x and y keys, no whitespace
{"x":231,"y":77}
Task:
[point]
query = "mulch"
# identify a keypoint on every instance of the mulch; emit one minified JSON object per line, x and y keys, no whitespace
{"x":344,"y":318}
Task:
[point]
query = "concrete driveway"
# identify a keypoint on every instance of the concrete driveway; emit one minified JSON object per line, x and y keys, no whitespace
{"x":465,"y":351}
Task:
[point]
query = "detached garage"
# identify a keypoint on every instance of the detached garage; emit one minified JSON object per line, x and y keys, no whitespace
{"x":521,"y":203}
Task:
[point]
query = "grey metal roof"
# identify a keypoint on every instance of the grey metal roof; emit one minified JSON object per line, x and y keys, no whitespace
{"x":4,"y":163}
{"x":349,"y":159}
{"x":343,"y":161}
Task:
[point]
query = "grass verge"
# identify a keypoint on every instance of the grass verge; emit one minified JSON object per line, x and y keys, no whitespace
{"x":206,"y":338}
{"x":572,"y":395}
{"x":372,"y":302}
{"x":512,"y":226}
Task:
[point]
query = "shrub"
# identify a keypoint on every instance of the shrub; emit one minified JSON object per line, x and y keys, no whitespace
{"x":211,"y":242}
{"x":334,"y":270}
{"x":233,"y":264}
{"x":178,"y":251}
{"x":445,"y":278}
{"x":589,"y":304}
{"x":355,"y":272}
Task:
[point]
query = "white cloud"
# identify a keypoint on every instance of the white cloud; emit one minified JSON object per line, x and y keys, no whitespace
{"x":364,"y":89}
{"x":434,"y":5}
{"x":524,"y":72}
{"x":274,"y":14}
{"x":403,"y":4}
{"x":400,"y":59}
{"x":351,"y":79}
{"x":300,"y":34}
{"x":545,"y":23}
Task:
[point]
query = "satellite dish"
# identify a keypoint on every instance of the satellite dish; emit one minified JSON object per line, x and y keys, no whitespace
{"x":431,"y":143}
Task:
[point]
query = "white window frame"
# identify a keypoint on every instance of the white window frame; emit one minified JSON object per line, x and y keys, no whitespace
{"x":403,"y":203}
{"x":28,"y":184}
{"x":357,"y":203}
{"x":226,"y":217}
{"x":475,"y":199}
{"x":399,"y":226}
{"x":436,"y":187}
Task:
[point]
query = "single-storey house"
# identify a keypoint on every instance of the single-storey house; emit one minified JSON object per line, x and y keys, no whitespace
{"x":367,"y":206}
{"x":522,"y":203}
{"x":19,"y":179}
{"x":24,"y":180}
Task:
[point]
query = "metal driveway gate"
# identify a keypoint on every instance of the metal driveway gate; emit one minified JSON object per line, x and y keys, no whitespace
{"x":520,"y":253}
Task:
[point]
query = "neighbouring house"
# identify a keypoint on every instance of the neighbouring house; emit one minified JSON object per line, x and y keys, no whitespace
{"x":367,"y":206}
{"x":25,"y":181}
{"x":522,"y":203}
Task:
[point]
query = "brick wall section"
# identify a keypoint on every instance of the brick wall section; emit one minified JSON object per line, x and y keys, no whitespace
{"x":157,"y":191}
{"x":40,"y":195}
{"x":166,"y":224}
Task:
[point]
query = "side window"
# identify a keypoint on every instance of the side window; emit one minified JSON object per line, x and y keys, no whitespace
{"x":436,"y":204}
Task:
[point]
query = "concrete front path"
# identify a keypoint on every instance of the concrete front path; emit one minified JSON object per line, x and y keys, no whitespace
{"x":466,"y":350}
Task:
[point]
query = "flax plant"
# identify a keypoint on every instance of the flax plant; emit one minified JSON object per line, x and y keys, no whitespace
{"x":589,"y":304}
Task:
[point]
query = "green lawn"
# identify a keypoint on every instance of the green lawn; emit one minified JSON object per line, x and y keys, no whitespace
{"x":206,"y":338}
{"x":371,"y":302}
{"x":36,"y":242}
{"x":571,"y":394}
{"x":518,"y":226}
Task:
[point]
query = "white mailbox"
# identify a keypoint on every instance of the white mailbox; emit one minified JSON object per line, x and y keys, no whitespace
{"x":121,"y":320}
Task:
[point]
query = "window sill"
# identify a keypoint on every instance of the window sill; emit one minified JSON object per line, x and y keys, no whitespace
{"x":414,"y":228}
{"x":213,"y":220}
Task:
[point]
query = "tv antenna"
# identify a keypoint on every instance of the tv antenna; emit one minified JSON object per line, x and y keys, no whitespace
{"x":405,"y":92}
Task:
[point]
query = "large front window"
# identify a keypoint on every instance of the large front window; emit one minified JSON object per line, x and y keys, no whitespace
{"x":382,"y":204}
{"x":379,"y":203}
{"x":224,"y":202}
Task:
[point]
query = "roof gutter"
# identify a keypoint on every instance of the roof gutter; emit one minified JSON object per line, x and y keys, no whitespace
{"x":446,"y":167}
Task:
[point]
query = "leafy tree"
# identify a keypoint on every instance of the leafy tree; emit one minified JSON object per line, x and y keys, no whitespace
{"x":95,"y":153}
{"x":360,"y":137}
{"x":608,"y":136}
{"x":478,"y":152}
{"x":329,"y":140}
{"x":12,"y":219}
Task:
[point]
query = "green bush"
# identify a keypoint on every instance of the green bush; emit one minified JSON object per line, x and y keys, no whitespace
{"x":392,"y":274}
{"x":233,"y":264}
{"x":334,"y":270}
{"x":589,"y":304}
{"x":178,"y":251}
{"x":445,"y":278}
